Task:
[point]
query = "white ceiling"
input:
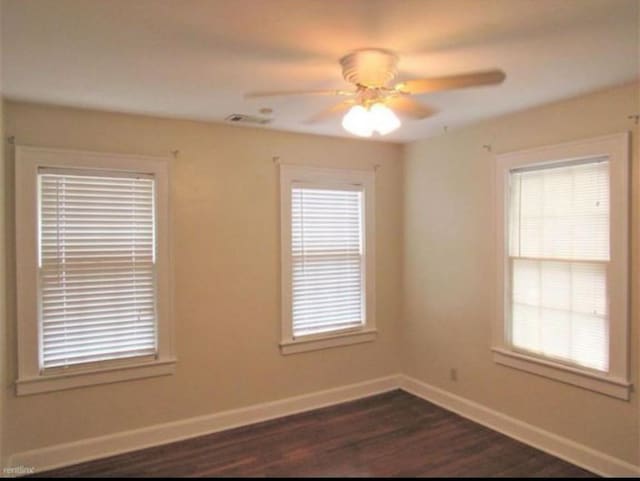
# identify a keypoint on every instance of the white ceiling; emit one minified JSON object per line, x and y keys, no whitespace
{"x":196,"y":58}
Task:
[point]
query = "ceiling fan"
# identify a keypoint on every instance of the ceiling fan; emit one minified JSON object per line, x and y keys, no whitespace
{"x":370,"y":106}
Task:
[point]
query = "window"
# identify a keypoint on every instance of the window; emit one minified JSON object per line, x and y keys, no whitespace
{"x":327,"y":257}
{"x":564,"y":263}
{"x":90,"y":290}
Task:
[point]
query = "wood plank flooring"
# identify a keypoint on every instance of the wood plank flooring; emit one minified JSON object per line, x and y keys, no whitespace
{"x":391,"y":434}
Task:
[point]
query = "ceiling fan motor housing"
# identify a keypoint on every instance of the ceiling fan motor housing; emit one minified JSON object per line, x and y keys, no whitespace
{"x":370,"y":67}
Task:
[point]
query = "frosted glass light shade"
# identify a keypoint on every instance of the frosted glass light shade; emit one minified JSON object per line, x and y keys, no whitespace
{"x":363,"y":122}
{"x":384,"y":120}
{"x":358,"y":121}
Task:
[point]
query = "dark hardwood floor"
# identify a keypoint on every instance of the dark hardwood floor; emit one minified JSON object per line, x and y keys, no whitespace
{"x":392,"y":434}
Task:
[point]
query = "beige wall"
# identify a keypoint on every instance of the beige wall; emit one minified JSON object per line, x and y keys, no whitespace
{"x":450,"y":267}
{"x":3,"y":305}
{"x":225,"y":226}
{"x":3,"y":290}
{"x":226,"y":256}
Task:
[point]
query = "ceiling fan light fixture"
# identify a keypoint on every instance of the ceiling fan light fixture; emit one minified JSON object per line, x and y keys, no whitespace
{"x":371,"y":71}
{"x":358,"y":121}
{"x":363,"y":121}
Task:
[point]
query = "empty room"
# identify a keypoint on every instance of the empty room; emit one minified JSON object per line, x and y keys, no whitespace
{"x":319,"y":238}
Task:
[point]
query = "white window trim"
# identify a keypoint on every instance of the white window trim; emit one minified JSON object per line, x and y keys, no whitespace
{"x":30,"y":379}
{"x":616,"y":382}
{"x":290,"y":174}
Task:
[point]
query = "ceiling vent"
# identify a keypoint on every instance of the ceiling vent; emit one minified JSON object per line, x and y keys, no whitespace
{"x":247,"y":119}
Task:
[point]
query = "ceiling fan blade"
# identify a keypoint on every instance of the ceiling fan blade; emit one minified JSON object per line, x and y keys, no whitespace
{"x":450,"y":82}
{"x":330,"y":112}
{"x":279,"y":93}
{"x":408,"y":107}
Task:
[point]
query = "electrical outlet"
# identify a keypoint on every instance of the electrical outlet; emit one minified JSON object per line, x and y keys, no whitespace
{"x":453,"y":374}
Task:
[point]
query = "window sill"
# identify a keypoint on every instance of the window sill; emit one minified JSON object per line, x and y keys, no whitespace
{"x":611,"y":386}
{"x":327,"y":341}
{"x":79,"y":378}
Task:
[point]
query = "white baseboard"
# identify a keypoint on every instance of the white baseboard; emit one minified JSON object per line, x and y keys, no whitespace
{"x":99,"y":447}
{"x":66,"y":454}
{"x":563,"y":448}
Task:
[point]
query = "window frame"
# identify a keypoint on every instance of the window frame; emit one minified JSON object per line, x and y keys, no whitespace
{"x":616,"y":381}
{"x":31,"y":379}
{"x":291,"y":175}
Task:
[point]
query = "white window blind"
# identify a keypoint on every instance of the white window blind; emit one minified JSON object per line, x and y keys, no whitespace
{"x":96,"y":267}
{"x":559,"y":255}
{"x":327,"y":259}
